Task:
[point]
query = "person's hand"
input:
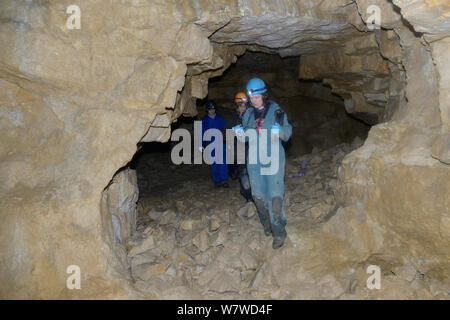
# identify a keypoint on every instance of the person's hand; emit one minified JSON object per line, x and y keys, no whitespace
{"x":238,"y":130}
{"x":276,"y":129}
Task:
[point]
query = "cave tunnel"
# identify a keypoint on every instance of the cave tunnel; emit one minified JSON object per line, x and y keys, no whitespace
{"x":208,"y":242}
{"x":90,"y":100}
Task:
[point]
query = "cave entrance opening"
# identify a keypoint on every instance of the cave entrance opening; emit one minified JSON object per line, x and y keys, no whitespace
{"x":180,"y":222}
{"x":317,"y":114}
{"x":163,"y":185}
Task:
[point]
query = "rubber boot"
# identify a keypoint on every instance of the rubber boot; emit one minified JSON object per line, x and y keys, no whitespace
{"x":264,"y":216}
{"x":278,"y":241}
{"x":246,"y":191}
{"x":280,"y":232}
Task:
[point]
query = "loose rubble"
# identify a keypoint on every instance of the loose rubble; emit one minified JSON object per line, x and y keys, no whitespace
{"x":194,"y":241}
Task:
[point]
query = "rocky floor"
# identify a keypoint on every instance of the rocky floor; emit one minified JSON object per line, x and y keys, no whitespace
{"x":195,"y":241}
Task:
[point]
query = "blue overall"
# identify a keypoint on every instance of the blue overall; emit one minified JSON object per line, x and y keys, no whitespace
{"x":268,"y":190}
{"x":219,"y":172}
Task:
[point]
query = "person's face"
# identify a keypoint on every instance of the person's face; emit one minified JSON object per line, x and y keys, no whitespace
{"x":211,"y":112}
{"x":257,"y":101}
{"x":241,"y":107}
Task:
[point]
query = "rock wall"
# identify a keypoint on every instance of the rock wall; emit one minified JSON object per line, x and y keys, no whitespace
{"x":366,"y":72}
{"x":119,"y":218}
{"x":74,"y":104}
{"x":393,"y":190}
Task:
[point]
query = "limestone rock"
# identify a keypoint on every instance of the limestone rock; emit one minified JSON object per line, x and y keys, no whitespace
{"x":299,"y":197}
{"x":214,"y":225}
{"x":242,"y":212}
{"x":441,"y":55}
{"x":247,"y":211}
{"x":252,"y":211}
{"x":230,"y":258}
{"x":357,"y":142}
{"x":359,"y":96}
{"x":321,"y":209}
{"x":207,"y":275}
{"x":119,"y":215}
{"x":180,"y":206}
{"x":147,"y":244}
{"x":330,"y":288}
{"x":171,"y":271}
{"x":190,"y":224}
{"x":179,"y":257}
{"x":255,"y":245}
{"x":338,"y":156}
{"x":315,"y":212}
{"x":225,"y":281}
{"x":179,"y":293}
{"x":441,"y":148}
{"x":248,"y":258}
{"x":146,"y":271}
{"x":167,"y":217}
{"x":316,"y":160}
{"x":155,"y":215}
{"x":293,"y":233}
{"x":426,"y":17}
{"x":407,"y":273}
{"x":201,"y":240}
{"x":159,"y":129}
{"x":407,"y":196}
{"x":144,"y":258}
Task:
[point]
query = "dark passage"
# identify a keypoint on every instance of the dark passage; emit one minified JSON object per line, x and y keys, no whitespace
{"x":209,"y":242}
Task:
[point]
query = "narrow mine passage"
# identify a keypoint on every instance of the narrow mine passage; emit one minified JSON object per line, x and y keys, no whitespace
{"x":197,"y":241}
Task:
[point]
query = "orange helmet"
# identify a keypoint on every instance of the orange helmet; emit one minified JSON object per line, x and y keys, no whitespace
{"x":240,"y":97}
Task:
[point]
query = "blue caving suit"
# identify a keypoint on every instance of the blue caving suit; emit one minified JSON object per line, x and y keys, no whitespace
{"x":268,"y":190}
{"x":219,"y":172}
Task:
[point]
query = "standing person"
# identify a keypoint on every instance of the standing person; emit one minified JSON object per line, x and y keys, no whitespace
{"x":267,"y":189}
{"x":240,"y":169}
{"x":219,"y":171}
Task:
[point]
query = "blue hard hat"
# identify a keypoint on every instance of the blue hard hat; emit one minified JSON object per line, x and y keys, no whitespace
{"x":255,"y":86}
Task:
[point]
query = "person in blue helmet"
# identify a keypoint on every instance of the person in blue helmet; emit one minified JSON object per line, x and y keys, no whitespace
{"x":267,"y":188}
{"x":212,"y":120}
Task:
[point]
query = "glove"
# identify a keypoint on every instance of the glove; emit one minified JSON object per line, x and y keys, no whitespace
{"x":238,"y":130}
{"x":276,"y":129}
{"x":279,"y":116}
